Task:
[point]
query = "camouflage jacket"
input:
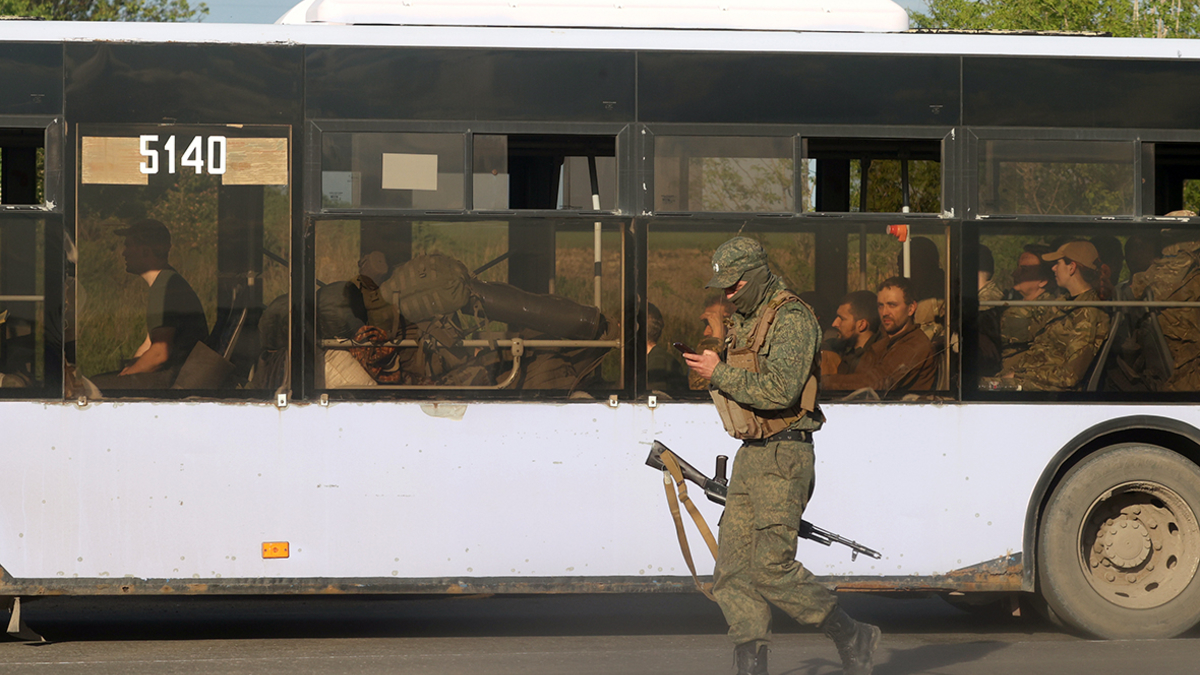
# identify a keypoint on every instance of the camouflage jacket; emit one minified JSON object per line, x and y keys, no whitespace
{"x":1019,"y":325}
{"x":1062,"y":352}
{"x":991,"y":291}
{"x":785,"y":360}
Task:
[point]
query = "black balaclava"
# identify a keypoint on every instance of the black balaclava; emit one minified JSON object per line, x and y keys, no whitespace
{"x":758,"y":280}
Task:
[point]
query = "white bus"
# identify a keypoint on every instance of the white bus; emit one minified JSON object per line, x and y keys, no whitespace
{"x":333,"y":431}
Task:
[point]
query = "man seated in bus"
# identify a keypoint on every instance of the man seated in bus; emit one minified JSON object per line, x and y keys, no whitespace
{"x":929,"y":287}
{"x":715,"y":318}
{"x":903,"y":360}
{"x":175,"y":320}
{"x":857,"y":324}
{"x":1033,"y":279}
{"x":1064,"y":349}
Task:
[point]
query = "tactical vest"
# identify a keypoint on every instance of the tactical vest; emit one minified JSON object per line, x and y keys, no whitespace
{"x":742,"y":421}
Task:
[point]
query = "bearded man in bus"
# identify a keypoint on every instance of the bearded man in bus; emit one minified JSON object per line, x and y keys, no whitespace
{"x":857,"y":324}
{"x":1063,"y":351}
{"x":766,"y":393}
{"x":904,"y":360}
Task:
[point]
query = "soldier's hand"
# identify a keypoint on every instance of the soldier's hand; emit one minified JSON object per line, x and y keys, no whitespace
{"x":703,"y":363}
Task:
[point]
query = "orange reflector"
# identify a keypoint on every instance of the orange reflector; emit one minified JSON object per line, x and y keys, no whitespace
{"x":275,"y":549}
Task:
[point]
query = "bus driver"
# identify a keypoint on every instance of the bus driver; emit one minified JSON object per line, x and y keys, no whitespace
{"x":174,"y":316}
{"x":766,"y":392}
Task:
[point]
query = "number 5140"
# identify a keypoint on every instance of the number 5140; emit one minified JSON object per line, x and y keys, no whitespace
{"x":194,"y":156}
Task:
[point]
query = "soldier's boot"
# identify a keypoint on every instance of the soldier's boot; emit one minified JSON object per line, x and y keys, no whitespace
{"x":856,"y":642}
{"x":749,"y":659}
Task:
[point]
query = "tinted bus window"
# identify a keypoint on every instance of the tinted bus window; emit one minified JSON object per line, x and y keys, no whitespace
{"x":871,"y":175}
{"x":183,"y":259}
{"x":1056,"y":177}
{"x":1046,"y":319}
{"x":23,"y":320}
{"x":544,"y":171}
{"x":392,"y":170}
{"x":728,"y":173}
{"x":482,"y":305}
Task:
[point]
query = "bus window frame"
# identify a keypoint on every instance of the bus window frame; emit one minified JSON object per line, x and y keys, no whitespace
{"x":480,"y":394}
{"x":281,"y":130}
{"x":799,"y":133}
{"x":977,"y":136}
{"x":51,"y":215}
{"x":622,"y":132}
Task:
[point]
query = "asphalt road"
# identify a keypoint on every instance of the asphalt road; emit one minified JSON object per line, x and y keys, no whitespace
{"x":537,"y":635}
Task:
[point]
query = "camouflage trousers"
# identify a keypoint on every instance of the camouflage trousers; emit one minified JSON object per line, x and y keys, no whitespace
{"x":756,"y":554}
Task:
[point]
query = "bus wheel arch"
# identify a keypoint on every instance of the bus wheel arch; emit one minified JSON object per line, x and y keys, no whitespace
{"x":1100,"y":547}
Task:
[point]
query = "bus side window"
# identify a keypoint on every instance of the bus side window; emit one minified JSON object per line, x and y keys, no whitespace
{"x":544,"y":172}
{"x":184,"y":242}
{"x":1044,"y":177}
{"x":871,"y":175}
{"x":22,"y":250}
{"x":505,"y":305}
{"x":741,"y":174}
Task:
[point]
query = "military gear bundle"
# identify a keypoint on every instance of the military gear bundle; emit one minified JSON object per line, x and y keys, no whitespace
{"x":430,"y":285}
{"x":437,"y":299}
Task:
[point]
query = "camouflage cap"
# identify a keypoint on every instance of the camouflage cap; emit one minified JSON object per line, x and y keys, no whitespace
{"x":1081,"y":252}
{"x":733,"y":259}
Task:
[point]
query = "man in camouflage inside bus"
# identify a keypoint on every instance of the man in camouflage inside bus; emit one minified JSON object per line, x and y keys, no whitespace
{"x":765,"y":391}
{"x":1062,"y":352}
{"x":1033,"y":279}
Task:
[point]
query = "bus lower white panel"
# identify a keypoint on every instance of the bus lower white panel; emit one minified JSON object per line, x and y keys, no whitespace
{"x":193,"y":490}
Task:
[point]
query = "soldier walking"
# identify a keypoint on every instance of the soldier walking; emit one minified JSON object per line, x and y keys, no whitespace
{"x":766,"y":393}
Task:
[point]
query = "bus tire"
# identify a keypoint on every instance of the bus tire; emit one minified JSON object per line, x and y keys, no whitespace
{"x":1119,"y":544}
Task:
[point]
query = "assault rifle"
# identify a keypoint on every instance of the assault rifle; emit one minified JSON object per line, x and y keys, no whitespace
{"x":717,"y":487}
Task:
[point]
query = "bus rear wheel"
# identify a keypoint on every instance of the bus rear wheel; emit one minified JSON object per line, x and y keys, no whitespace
{"x":1119,"y":544}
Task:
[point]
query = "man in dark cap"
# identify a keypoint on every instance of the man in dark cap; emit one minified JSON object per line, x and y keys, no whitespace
{"x":174,"y":316}
{"x":765,"y":391}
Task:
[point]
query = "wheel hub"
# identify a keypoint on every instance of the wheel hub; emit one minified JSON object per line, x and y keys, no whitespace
{"x":1141,"y":551}
{"x":1126,"y":540}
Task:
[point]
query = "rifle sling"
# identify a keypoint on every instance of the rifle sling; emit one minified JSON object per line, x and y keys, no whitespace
{"x":672,"y":472}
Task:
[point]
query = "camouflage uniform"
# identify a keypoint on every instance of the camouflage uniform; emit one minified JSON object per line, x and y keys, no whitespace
{"x":1176,"y":277}
{"x":1019,"y":325}
{"x":1062,"y":352}
{"x":991,"y":291}
{"x":770,"y":485}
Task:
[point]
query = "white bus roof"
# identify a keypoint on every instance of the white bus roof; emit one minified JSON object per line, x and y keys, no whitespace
{"x":644,"y":39}
{"x":807,"y":15}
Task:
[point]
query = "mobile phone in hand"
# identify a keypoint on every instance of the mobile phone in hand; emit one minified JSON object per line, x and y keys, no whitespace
{"x":683,"y":349}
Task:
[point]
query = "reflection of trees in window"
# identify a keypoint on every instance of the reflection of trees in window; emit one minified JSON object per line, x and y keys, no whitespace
{"x":885,"y":186}
{"x":1064,"y":189}
{"x":741,"y":184}
{"x":881,"y":261}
